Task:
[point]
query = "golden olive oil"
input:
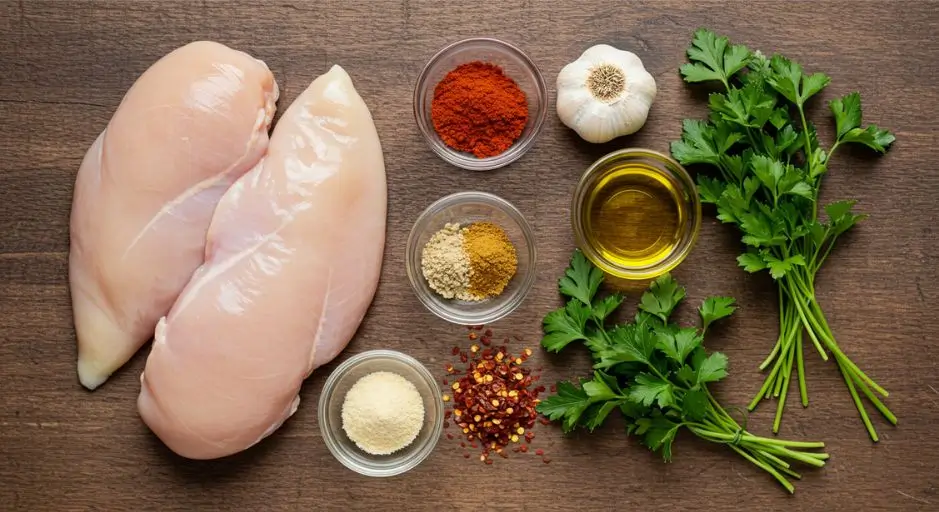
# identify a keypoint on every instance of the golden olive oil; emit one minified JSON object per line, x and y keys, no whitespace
{"x":634,"y":215}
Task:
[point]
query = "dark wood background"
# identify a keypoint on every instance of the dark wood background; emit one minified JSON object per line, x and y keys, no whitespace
{"x":64,"y":67}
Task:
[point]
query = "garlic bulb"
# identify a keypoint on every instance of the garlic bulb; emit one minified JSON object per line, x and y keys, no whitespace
{"x":605,"y":93}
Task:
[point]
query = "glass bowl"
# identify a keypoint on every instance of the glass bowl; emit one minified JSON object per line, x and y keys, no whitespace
{"x":464,"y":208}
{"x":664,"y":168}
{"x":516,"y":65}
{"x":330,"y":413}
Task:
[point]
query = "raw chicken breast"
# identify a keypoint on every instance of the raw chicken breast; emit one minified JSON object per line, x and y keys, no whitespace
{"x":292,"y":263}
{"x":190,"y":125}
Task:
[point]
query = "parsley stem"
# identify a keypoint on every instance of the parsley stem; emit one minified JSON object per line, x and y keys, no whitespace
{"x":808,"y":458}
{"x":857,"y":403}
{"x":811,"y":331}
{"x":766,"y":467}
{"x":814,"y":314}
{"x":803,"y":392}
{"x":785,"y":388}
{"x":874,"y":400}
{"x":808,"y":160}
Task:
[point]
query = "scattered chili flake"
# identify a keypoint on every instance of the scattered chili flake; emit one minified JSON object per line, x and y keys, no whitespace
{"x":539,"y":452}
{"x":465,"y":455}
{"x":449,"y":435}
{"x":553,"y":388}
{"x":546,"y":460}
{"x":455,"y":351}
{"x":446,"y":424}
{"x":494,"y":398}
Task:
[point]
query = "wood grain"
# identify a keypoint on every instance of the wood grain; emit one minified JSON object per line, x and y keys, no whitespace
{"x":64,"y":67}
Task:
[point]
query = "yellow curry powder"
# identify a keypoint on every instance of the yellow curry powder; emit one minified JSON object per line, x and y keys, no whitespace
{"x":492,"y":258}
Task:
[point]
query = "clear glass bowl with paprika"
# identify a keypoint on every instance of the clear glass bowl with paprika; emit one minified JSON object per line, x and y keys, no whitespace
{"x":480,"y":103}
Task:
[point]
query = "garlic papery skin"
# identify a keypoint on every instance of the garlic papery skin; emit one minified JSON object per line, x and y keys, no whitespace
{"x":604,"y":94}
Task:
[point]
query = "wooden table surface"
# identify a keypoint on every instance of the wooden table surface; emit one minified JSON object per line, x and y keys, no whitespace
{"x":64,"y":67}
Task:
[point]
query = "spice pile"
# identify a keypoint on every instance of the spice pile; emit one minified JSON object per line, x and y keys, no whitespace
{"x":471,"y":263}
{"x":494,"y":400}
{"x":478,"y":109}
{"x":382,"y":413}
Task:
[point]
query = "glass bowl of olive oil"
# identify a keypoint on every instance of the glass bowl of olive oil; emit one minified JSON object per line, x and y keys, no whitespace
{"x":636,"y":213}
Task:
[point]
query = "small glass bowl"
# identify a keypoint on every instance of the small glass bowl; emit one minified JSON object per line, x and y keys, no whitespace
{"x":668,"y":169}
{"x":465,"y":208}
{"x":330,"y":413}
{"x":517,"y":66}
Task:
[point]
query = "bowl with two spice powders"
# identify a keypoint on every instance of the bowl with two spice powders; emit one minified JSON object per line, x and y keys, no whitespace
{"x":480,"y":103}
{"x":471,"y":258}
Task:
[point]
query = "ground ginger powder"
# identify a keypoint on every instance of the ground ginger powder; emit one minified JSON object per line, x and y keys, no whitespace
{"x":492,"y":258}
{"x":445,"y":265}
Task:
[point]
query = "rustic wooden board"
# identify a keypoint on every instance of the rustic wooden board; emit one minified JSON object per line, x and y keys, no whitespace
{"x":64,"y":67}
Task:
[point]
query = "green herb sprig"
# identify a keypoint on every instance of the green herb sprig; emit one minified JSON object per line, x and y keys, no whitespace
{"x":654,"y":372}
{"x":769,"y":164}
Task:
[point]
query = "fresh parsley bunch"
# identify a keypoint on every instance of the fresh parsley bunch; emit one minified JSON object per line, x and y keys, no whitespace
{"x":769,"y":164}
{"x":654,"y":372}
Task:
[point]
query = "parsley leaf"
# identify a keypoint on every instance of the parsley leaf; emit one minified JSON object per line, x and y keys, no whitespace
{"x":695,"y":404}
{"x":658,"y":434}
{"x":839,"y":209}
{"x":662,"y":298}
{"x":678,"y":346}
{"x":630,"y":344}
{"x":872,"y":137}
{"x":581,"y":279}
{"x":787,"y":78}
{"x":565,"y":325}
{"x":713,"y":58}
{"x":847,"y":112}
{"x":649,"y":388}
{"x":715,"y":308}
{"x":779,"y":267}
{"x":605,"y":306}
{"x":751,"y":261}
{"x":568,"y":404}
{"x":712,"y":369}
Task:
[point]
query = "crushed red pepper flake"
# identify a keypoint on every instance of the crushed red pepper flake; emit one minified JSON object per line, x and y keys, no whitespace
{"x":495,"y":397}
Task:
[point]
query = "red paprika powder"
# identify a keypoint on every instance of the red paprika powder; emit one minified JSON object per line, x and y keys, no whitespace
{"x":478,"y":109}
